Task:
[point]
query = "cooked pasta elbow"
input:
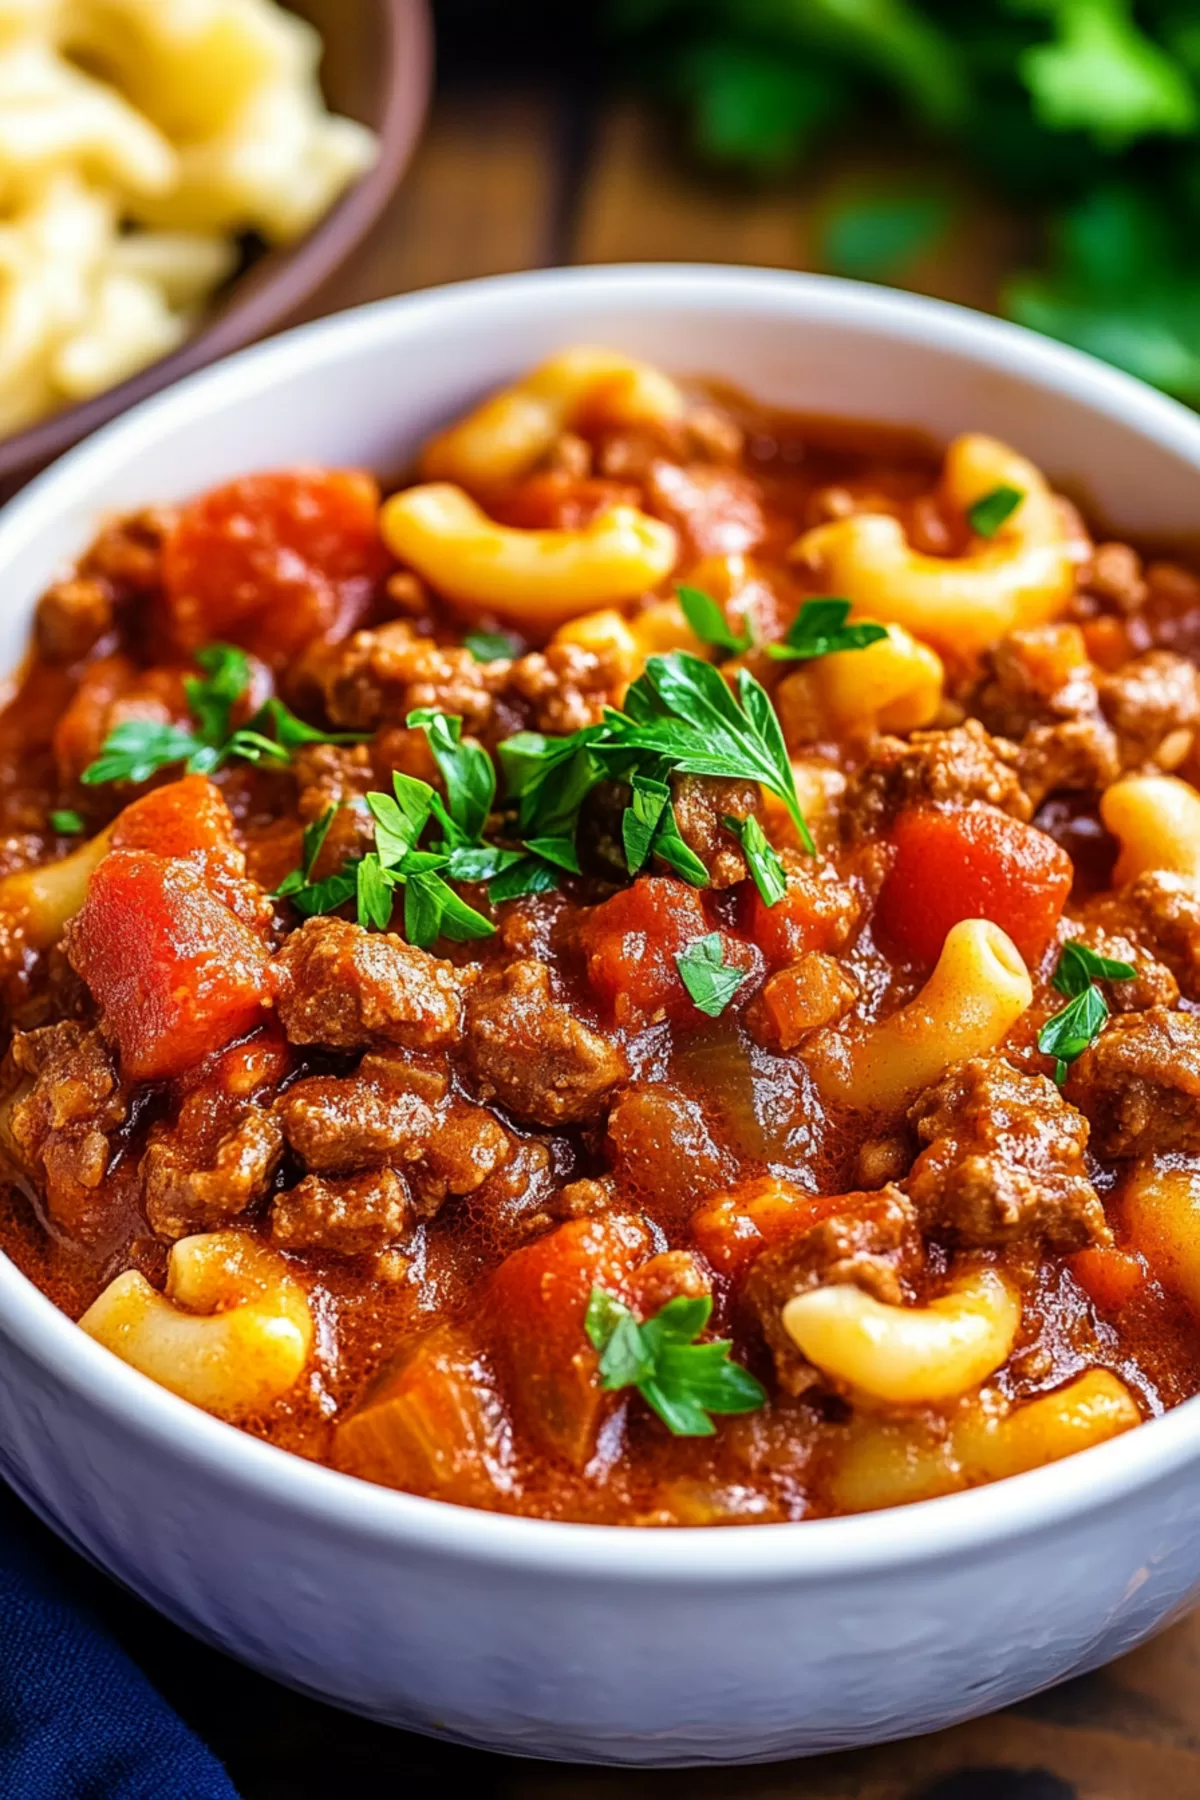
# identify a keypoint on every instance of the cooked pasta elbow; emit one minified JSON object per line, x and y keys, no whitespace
{"x":513,"y":430}
{"x":1022,"y":576}
{"x":1088,"y":1411}
{"x":907,"y":1355}
{"x":231,"y":1333}
{"x":537,"y":579}
{"x":977,"y":991}
{"x":1161,"y":1210}
{"x":894,"y":684}
{"x":1156,"y":821}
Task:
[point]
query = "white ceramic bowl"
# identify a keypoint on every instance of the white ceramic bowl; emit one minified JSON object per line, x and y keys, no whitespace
{"x":565,"y":1640}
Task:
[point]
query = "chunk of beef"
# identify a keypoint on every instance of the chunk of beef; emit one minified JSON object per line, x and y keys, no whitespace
{"x":1005,"y":1160}
{"x":702,"y":803}
{"x":1152,"y":985}
{"x":1160,"y":911}
{"x":180,"y":1198}
{"x":533,"y":1054}
{"x":356,"y":1216}
{"x":128,"y":551}
{"x":379,"y":677}
{"x":339,"y":1124}
{"x":1114,"y":575}
{"x":1078,"y":756}
{"x":1041,"y":676}
{"x":662,"y":1149}
{"x":718,"y":511}
{"x":1139,"y":1084}
{"x":64,"y":1103}
{"x":338,"y":985}
{"x":466,"y":1147}
{"x":932,"y":768}
{"x":72,"y":616}
{"x":874,"y":1244}
{"x":567,"y":686}
{"x":1153,"y":706}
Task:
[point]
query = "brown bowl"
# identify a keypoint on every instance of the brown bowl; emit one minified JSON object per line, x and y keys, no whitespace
{"x":378,"y":67}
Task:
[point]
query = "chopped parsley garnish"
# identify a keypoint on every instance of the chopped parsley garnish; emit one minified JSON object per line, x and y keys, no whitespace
{"x":1068,"y":1033}
{"x":682,"y":1381}
{"x":710,"y":624}
{"x":820,"y":629}
{"x":989,"y":512}
{"x":67,"y":823}
{"x":136,"y":749}
{"x":708,"y":978}
{"x":770,"y":877}
{"x":310,"y":897}
{"x":491,"y":646}
{"x":649,"y":828}
{"x":467,"y":770}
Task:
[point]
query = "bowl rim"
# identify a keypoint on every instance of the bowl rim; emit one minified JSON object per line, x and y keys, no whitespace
{"x":953,"y":1526}
{"x":303,"y":268}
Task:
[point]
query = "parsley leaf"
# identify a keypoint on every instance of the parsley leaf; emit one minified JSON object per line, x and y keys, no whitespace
{"x":1068,"y":1033}
{"x":399,"y":821}
{"x":1078,"y":965}
{"x":710,"y":624}
{"x":527,"y":875}
{"x":708,"y":978}
{"x":373,"y":893}
{"x":467,"y":770}
{"x":492,"y":646}
{"x":770,"y":877}
{"x":682,"y":1381}
{"x":682,"y":710}
{"x":432,"y":910}
{"x":67,"y":823}
{"x":137,"y":748}
{"x":986,"y":515}
{"x":649,"y":828}
{"x":820,"y":629}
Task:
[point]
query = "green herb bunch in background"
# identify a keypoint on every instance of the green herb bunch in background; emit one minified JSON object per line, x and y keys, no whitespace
{"x":1086,"y":113}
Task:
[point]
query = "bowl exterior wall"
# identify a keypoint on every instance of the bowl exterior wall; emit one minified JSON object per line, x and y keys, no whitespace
{"x":303,"y":1575}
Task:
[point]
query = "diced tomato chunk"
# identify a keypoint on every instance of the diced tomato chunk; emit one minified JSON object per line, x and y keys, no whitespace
{"x":1110,"y":1277}
{"x":973,"y":863}
{"x":177,"y":974}
{"x":186,"y":818}
{"x":631,"y":943}
{"x":818,"y":912}
{"x":272,"y":561}
{"x":734,"y":1228}
{"x":537,"y":1303}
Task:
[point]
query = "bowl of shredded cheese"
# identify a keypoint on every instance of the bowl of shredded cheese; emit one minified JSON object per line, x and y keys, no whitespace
{"x":177,"y":177}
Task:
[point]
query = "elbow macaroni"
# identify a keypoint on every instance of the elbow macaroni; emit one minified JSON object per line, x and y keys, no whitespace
{"x":907,"y":1355}
{"x":510,"y":432}
{"x":123,"y":187}
{"x":231,"y":1333}
{"x":1162,"y":1211}
{"x":894,"y":684}
{"x":536,"y":579}
{"x":1156,"y":820}
{"x":960,"y":605}
{"x":892,"y":1462}
{"x":977,"y":991}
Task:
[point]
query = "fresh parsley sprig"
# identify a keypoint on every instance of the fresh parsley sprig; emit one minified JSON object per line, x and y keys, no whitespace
{"x":762,"y":859}
{"x":986,"y":515}
{"x":820,"y":629}
{"x":708,"y":978}
{"x":136,"y":749}
{"x":1068,"y":1033}
{"x":710,"y":624}
{"x":683,"y":1381}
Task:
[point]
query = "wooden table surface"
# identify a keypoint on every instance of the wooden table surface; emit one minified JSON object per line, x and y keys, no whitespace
{"x":516,"y":177}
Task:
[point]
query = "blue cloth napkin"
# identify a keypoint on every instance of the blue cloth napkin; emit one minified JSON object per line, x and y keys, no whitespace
{"x":78,"y":1719}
